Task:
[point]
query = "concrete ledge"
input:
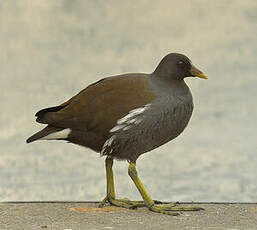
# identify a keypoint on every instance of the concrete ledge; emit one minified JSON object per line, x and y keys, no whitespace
{"x":86,"y":215}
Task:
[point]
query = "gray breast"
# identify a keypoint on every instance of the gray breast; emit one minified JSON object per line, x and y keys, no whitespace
{"x":149,"y":127}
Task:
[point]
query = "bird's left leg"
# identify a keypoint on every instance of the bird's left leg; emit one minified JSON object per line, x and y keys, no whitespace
{"x":110,"y":197}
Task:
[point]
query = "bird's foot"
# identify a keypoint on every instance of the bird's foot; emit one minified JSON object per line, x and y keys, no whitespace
{"x":169,"y":209}
{"x":172,"y":209}
{"x":125,"y":203}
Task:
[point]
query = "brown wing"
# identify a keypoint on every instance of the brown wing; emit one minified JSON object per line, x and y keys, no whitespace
{"x":100,"y":105}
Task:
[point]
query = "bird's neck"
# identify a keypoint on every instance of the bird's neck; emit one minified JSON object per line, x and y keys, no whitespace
{"x":165,"y":83}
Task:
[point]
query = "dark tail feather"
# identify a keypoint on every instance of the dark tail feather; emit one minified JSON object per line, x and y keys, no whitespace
{"x":44,"y":132}
{"x":45,"y":116}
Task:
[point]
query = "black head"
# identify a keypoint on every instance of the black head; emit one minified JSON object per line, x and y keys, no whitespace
{"x":177,"y":66}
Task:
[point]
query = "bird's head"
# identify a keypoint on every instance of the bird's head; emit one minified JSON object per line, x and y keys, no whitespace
{"x":177,"y":66}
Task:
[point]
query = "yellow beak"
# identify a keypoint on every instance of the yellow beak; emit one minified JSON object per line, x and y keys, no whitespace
{"x":197,"y":73}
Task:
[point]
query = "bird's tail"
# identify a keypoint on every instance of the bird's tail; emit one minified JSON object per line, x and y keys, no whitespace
{"x":47,"y":134}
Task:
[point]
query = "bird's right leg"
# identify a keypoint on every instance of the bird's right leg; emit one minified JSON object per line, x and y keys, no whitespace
{"x":110,"y":197}
{"x":169,"y":209}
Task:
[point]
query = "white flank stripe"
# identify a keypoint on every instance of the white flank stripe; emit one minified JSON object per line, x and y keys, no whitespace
{"x":125,"y":119}
{"x":138,"y":110}
{"x":132,"y":114}
{"x":131,"y":118}
{"x":137,"y":121}
{"x":117,"y":127}
{"x":127,"y":127}
{"x":58,"y":135}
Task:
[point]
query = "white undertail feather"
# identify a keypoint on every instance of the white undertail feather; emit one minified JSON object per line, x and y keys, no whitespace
{"x":108,"y":143}
{"x":57,"y":135}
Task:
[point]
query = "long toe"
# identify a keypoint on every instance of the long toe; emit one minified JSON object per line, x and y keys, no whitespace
{"x":162,"y":210}
{"x":179,"y":209}
{"x":172,"y":209}
{"x":123,"y":203}
{"x":175,"y":208}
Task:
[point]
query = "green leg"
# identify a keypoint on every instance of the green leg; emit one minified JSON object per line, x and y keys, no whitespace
{"x":163,"y":208}
{"x":110,"y":197}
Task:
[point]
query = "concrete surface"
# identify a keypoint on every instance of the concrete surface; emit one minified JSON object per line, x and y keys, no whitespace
{"x":79,"y":215}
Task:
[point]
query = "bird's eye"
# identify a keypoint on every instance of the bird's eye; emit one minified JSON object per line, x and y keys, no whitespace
{"x":181,"y":63}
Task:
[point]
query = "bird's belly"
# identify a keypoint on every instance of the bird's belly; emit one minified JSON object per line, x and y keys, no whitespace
{"x":156,"y":129}
{"x":170,"y":124}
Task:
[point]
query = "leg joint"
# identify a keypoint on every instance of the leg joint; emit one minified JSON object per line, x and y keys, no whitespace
{"x":109,"y":162}
{"x":132,"y":170}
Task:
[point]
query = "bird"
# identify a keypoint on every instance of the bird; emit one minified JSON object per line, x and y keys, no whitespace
{"x":124,"y":116}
